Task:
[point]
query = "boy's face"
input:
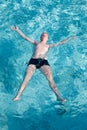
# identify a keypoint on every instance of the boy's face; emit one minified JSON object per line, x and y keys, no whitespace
{"x":44,"y":36}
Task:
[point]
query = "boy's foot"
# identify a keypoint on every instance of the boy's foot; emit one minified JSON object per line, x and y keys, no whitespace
{"x":62,"y":100}
{"x":16,"y":99}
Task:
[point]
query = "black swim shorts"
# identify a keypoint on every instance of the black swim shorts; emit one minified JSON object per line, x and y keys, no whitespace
{"x":38,"y":62}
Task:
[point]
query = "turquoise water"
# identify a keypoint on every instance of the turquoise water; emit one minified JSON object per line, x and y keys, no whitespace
{"x":38,"y":108}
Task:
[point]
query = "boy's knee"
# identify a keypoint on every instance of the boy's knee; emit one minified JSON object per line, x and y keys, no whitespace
{"x":51,"y":81}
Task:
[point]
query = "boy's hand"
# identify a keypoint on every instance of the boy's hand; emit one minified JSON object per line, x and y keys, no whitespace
{"x":73,"y":37}
{"x":15,"y":28}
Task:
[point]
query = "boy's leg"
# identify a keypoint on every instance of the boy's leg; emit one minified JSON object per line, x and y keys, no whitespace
{"x":31,"y":69}
{"x":46,"y":70}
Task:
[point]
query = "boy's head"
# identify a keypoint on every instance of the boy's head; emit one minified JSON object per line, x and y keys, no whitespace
{"x":44,"y":36}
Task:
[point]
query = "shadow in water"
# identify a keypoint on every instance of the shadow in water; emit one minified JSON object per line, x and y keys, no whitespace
{"x":7,"y":68}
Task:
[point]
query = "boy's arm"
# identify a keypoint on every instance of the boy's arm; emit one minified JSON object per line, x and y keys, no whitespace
{"x":15,"y":28}
{"x":62,"y":42}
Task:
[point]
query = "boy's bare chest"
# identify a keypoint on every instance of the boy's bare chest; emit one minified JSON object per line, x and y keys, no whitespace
{"x":42,"y":47}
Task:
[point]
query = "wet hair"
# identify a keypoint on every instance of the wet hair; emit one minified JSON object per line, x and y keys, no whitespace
{"x":44,"y":33}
